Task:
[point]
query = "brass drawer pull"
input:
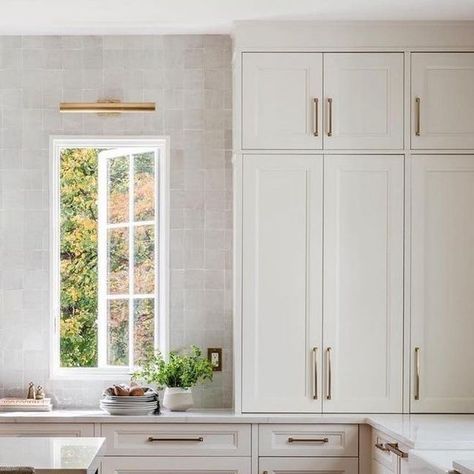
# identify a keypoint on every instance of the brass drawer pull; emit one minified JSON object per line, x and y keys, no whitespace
{"x":200,"y":439}
{"x":308,"y":440}
{"x":417,"y":373}
{"x":381,"y":447}
{"x":393,"y":448}
{"x":315,"y":117}
{"x":314,"y":353}
{"x":328,"y":374}
{"x":329,"y":117}
{"x":417,"y":116}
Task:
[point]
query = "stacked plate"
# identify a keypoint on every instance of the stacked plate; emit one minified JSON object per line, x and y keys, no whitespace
{"x":142,"y":405}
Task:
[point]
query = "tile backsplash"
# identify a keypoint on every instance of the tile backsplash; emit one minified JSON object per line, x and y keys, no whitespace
{"x":189,"y":77}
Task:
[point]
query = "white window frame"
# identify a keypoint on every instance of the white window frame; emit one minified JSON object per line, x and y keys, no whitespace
{"x":57,"y":143}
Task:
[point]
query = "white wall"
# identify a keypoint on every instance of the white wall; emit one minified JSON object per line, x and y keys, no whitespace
{"x":189,"y":77}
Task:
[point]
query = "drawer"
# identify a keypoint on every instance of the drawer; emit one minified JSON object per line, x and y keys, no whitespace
{"x":308,"y":440}
{"x":384,"y":461}
{"x":177,"y":439}
{"x":180,"y":465}
{"x":67,"y":430}
{"x":309,"y":465}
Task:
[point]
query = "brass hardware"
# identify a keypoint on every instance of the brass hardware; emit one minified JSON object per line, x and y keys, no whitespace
{"x":200,"y":439}
{"x":315,"y":117}
{"x":265,"y":472}
{"x":393,"y":448}
{"x":417,"y":114}
{"x":110,"y":106}
{"x":329,"y":375}
{"x":308,"y":440}
{"x":315,"y":372}
{"x":417,"y":373}
{"x":381,"y":447}
{"x":329,"y":117}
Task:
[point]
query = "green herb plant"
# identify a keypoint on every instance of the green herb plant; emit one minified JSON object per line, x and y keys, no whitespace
{"x":181,"y":370}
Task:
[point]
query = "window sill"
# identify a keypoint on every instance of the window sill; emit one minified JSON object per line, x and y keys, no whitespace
{"x":72,"y":373}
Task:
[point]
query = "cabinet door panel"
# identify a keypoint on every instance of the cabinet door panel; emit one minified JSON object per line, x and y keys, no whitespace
{"x":183,"y":465}
{"x":278,"y":107}
{"x":443,"y":82}
{"x":309,"y":465}
{"x":282,"y":271}
{"x":363,"y":283}
{"x":366,"y":90}
{"x":442,"y":279}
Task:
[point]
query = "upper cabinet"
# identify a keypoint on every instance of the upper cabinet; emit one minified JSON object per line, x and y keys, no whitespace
{"x":283,"y":106}
{"x":363,"y":95}
{"x":281,"y":101}
{"x":442,"y":100}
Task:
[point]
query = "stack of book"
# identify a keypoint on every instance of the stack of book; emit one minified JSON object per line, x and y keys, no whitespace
{"x":25,"y":404}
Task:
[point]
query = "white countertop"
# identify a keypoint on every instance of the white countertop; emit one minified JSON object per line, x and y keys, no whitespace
{"x":463,"y":464}
{"x":52,"y":455}
{"x":414,"y":431}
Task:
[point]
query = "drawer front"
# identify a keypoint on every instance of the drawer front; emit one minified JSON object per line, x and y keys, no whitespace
{"x":164,"y":465}
{"x":309,"y":465}
{"x":308,"y":440}
{"x":380,"y":457}
{"x":47,"y":429}
{"x":177,"y":439}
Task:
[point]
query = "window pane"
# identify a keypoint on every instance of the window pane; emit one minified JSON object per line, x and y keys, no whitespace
{"x":117,"y":341}
{"x":118,"y":189}
{"x":144,"y":187}
{"x":144,"y":329}
{"x":144,"y":259}
{"x":118,"y":261}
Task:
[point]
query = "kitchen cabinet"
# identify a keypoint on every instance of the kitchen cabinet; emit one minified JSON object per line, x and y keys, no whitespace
{"x":363,"y":283}
{"x":442,"y":273}
{"x":442,"y":100}
{"x":179,"y":464}
{"x":282,"y":272}
{"x":363,"y":98}
{"x":60,"y":430}
{"x":284,"y":465}
{"x":388,"y":456}
{"x":281,"y":101}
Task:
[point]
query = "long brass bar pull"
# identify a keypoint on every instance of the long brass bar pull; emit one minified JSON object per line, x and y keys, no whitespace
{"x":329,"y":375}
{"x":417,"y":116}
{"x":393,"y":448}
{"x":315,"y":117}
{"x":417,"y":373}
{"x":199,"y":439}
{"x":329,"y":117}
{"x":308,"y":440}
{"x":314,"y":356}
{"x":381,"y":447}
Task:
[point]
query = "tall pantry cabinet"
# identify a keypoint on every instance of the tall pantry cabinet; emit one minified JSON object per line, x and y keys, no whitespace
{"x":340,"y":210}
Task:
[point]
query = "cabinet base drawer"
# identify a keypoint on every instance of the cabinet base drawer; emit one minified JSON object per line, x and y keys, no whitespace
{"x":309,"y":465}
{"x":177,"y":439}
{"x":308,"y":440}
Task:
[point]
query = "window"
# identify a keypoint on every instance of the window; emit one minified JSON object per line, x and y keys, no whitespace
{"x":109,"y":253}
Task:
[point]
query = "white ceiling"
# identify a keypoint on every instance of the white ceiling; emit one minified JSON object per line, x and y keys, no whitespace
{"x":206,"y":16}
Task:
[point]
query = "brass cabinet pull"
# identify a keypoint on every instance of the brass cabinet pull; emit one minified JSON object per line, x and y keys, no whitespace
{"x":381,"y":447}
{"x":265,"y":472}
{"x":308,"y":440}
{"x":329,"y":375}
{"x":315,"y":117}
{"x":199,"y":439}
{"x":417,"y":116}
{"x":314,"y":354}
{"x":417,"y":373}
{"x":329,"y":117}
{"x":393,"y":448}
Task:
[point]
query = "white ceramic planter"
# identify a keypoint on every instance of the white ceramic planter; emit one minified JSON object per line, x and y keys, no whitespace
{"x":178,"y":399}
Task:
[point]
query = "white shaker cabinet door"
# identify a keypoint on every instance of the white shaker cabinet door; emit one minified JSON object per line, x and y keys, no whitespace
{"x":308,"y":465}
{"x":363,"y":95}
{"x":281,"y":101}
{"x":363,"y":283}
{"x":442,"y":281}
{"x":282,"y":271}
{"x":442,"y":100}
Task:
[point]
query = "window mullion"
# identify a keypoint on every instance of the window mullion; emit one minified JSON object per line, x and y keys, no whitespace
{"x":131,"y":254}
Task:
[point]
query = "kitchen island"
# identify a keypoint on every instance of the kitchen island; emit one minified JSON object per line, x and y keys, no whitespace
{"x":52,"y":455}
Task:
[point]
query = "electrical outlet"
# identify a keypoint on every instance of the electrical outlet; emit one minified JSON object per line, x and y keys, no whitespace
{"x":215,"y":358}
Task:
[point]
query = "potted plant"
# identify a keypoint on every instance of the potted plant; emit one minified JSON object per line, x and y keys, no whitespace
{"x":177,"y":375}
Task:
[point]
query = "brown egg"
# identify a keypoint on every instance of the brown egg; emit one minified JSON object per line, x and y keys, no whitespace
{"x":121,"y":391}
{"x":137,"y":392}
